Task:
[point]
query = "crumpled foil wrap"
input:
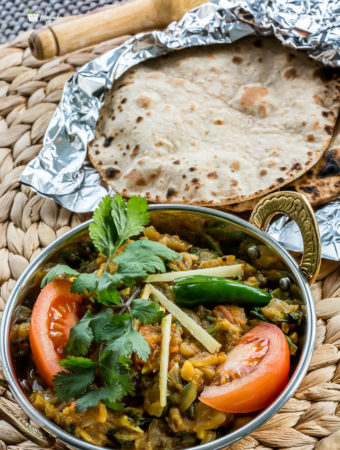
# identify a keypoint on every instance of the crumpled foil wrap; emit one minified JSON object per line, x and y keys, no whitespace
{"x":61,"y":171}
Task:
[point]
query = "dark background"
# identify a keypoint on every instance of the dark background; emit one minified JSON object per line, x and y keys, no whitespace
{"x":14,"y":20}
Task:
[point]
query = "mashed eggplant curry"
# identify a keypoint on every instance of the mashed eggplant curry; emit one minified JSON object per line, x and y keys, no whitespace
{"x":142,"y":340}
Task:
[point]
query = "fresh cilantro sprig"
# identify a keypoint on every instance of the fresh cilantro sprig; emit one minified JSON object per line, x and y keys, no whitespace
{"x":114,"y":223}
{"x":118,"y":340}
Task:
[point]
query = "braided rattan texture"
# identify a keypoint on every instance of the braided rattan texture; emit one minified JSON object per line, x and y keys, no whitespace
{"x":29,"y":92}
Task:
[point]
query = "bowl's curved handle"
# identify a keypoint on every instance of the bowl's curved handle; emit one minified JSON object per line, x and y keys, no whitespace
{"x":37,"y":435}
{"x":298,"y":208}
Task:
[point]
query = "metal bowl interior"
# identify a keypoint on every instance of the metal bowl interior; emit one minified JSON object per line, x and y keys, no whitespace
{"x":191,"y":223}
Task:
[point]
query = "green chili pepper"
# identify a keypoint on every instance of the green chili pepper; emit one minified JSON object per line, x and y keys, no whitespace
{"x":206,"y":290}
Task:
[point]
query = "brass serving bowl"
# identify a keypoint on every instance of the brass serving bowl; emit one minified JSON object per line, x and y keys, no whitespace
{"x":189,"y":222}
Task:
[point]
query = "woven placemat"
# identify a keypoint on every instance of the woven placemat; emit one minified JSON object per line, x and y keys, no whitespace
{"x":29,"y":92}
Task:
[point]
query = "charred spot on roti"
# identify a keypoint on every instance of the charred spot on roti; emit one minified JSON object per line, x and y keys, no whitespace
{"x":195,"y":180}
{"x":253,"y":100}
{"x":171,"y":192}
{"x":111,"y":172}
{"x":280,"y":180}
{"x":97,"y":152}
{"x":290,"y":57}
{"x":184,"y":176}
{"x":324,"y":113}
{"x":177,"y":81}
{"x":297,"y":166}
{"x":326,"y":74}
{"x":263,"y":172}
{"x":127,"y":147}
{"x":233,"y":182}
{"x":290,"y":73}
{"x":176,"y":162}
{"x":139,"y":119}
{"x":328,"y":129}
{"x":237,"y":59}
{"x":144,"y":101}
{"x":308,"y":189}
{"x":310,"y":137}
{"x":235,"y":165}
{"x":135,"y":150}
{"x":212,"y":175}
{"x":283,"y":168}
{"x":123,"y":100}
{"x":257,"y":43}
{"x":107,"y":141}
{"x":318,"y":100}
{"x":331,"y":168}
{"x":192,"y":169}
{"x":218,"y":122}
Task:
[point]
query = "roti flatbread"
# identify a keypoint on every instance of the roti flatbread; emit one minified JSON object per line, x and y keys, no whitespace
{"x":320,"y":184}
{"x":217,"y":125}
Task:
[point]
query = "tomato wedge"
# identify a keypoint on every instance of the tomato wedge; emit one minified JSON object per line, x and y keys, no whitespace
{"x":54,"y":313}
{"x":254,"y":373}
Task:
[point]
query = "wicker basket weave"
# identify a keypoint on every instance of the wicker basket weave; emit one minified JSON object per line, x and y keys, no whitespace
{"x":29,"y":92}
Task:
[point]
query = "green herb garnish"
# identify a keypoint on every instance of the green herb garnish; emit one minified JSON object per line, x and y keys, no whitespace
{"x":114,"y":223}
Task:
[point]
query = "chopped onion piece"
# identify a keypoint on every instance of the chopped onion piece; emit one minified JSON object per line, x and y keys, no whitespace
{"x":164,"y":361}
{"x":196,"y":330}
{"x":233,"y":271}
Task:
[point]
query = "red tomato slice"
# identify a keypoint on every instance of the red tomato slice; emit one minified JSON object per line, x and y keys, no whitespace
{"x":254,"y":373}
{"x":54,"y":313}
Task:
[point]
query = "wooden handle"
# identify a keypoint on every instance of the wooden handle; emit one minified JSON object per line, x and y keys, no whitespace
{"x":78,"y":32}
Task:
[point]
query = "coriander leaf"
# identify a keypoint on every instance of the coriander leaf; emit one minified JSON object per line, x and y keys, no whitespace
{"x":137,"y":215}
{"x":146,"y":311}
{"x":112,"y":370}
{"x":114,"y":392}
{"x":84,"y":282}
{"x":81,"y":336}
{"x":109,"y":395}
{"x":140,"y":258}
{"x":56,"y":271}
{"x":130,"y":217}
{"x":107,"y":280}
{"x":109,"y":296}
{"x":90,"y":400}
{"x":117,"y":384}
{"x":130,"y":342}
{"x":139,"y":345}
{"x":118,"y":214}
{"x":72,"y":385}
{"x":102,"y":230}
{"x":111,"y":328}
{"x":77,"y":364}
{"x":125,"y":361}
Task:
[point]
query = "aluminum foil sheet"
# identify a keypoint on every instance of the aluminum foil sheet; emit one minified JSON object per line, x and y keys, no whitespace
{"x":287,"y":233}
{"x":61,"y":171}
